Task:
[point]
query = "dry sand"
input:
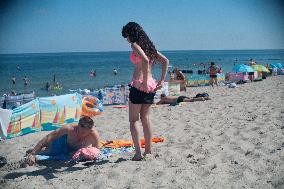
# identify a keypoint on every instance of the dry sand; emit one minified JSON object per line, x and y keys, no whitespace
{"x":235,"y":140}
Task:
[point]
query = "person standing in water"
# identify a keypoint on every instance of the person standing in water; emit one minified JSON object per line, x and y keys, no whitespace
{"x":114,"y":71}
{"x":143,"y":86}
{"x":13,"y":80}
{"x":26,"y":81}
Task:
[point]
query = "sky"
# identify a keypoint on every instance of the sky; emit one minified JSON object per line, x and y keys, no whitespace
{"x":39,"y":26}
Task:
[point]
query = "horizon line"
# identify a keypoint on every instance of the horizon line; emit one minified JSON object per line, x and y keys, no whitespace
{"x":66,"y":52}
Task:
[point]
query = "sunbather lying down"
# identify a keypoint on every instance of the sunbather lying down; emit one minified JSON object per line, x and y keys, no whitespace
{"x":177,"y":99}
{"x":66,"y":140}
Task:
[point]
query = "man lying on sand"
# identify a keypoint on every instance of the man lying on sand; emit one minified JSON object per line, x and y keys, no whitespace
{"x":66,"y":140}
{"x":177,"y":99}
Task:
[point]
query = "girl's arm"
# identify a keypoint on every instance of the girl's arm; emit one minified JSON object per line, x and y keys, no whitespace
{"x":165,"y":62}
{"x":49,"y":138}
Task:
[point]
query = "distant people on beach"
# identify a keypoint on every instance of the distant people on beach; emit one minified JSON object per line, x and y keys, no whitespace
{"x":178,"y":99}
{"x":143,"y":86}
{"x":274,"y":71}
{"x":114,"y":72}
{"x":180,"y":77}
{"x":70,"y":138}
{"x":18,"y":68}
{"x":213,"y":70}
{"x":26,"y":81}
{"x":172,"y":76}
{"x":13,"y":80}
{"x":251,"y":74}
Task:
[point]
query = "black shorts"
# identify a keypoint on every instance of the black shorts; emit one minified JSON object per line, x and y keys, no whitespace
{"x":251,"y":73}
{"x":140,"y":97}
{"x":181,"y":98}
{"x":213,"y":76}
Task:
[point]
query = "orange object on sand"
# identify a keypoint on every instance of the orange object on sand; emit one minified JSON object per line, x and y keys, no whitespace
{"x":91,"y":106}
{"x":127,"y":143}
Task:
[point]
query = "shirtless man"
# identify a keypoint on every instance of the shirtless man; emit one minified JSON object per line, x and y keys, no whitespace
{"x":177,"y":99}
{"x":213,"y":70}
{"x":66,"y":140}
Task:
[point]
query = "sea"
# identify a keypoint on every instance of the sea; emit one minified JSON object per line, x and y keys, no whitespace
{"x":72,"y":70}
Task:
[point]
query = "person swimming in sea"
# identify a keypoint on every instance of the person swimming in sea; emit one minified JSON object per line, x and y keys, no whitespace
{"x":115,"y":72}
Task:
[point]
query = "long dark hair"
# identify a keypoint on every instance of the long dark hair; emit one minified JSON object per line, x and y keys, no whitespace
{"x":137,"y":35}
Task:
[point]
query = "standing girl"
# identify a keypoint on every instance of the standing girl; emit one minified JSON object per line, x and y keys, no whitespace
{"x":142,"y":86}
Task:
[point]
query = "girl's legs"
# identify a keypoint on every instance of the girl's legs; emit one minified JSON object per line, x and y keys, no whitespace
{"x":144,"y":116}
{"x":134,"y":110}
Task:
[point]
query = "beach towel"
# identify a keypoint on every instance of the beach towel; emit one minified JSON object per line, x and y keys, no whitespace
{"x":91,"y":153}
{"x":103,"y":155}
{"x":127,"y":143}
{"x":5,"y":116}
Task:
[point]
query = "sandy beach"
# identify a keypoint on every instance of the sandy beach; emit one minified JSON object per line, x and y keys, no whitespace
{"x":234,"y":140}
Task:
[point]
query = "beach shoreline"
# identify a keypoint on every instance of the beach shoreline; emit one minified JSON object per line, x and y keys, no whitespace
{"x":234,"y":140}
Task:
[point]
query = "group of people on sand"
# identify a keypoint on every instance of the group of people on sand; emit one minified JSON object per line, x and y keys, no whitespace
{"x":142,"y":91}
{"x":176,"y":76}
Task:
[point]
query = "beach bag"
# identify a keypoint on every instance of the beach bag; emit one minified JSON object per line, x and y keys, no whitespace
{"x":202,"y":95}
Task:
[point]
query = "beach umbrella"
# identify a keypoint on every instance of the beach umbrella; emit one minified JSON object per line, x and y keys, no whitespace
{"x":273,"y":66}
{"x":279,"y":65}
{"x":242,"y":68}
{"x":260,"y":68}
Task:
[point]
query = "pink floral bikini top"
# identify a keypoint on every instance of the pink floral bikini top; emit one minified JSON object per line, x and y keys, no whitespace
{"x":151,"y":82}
{"x":135,"y":59}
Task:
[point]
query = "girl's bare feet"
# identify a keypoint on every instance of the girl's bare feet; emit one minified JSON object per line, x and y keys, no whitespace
{"x":137,"y":157}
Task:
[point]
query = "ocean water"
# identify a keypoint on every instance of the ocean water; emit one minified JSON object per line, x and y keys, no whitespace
{"x":71,"y":70}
